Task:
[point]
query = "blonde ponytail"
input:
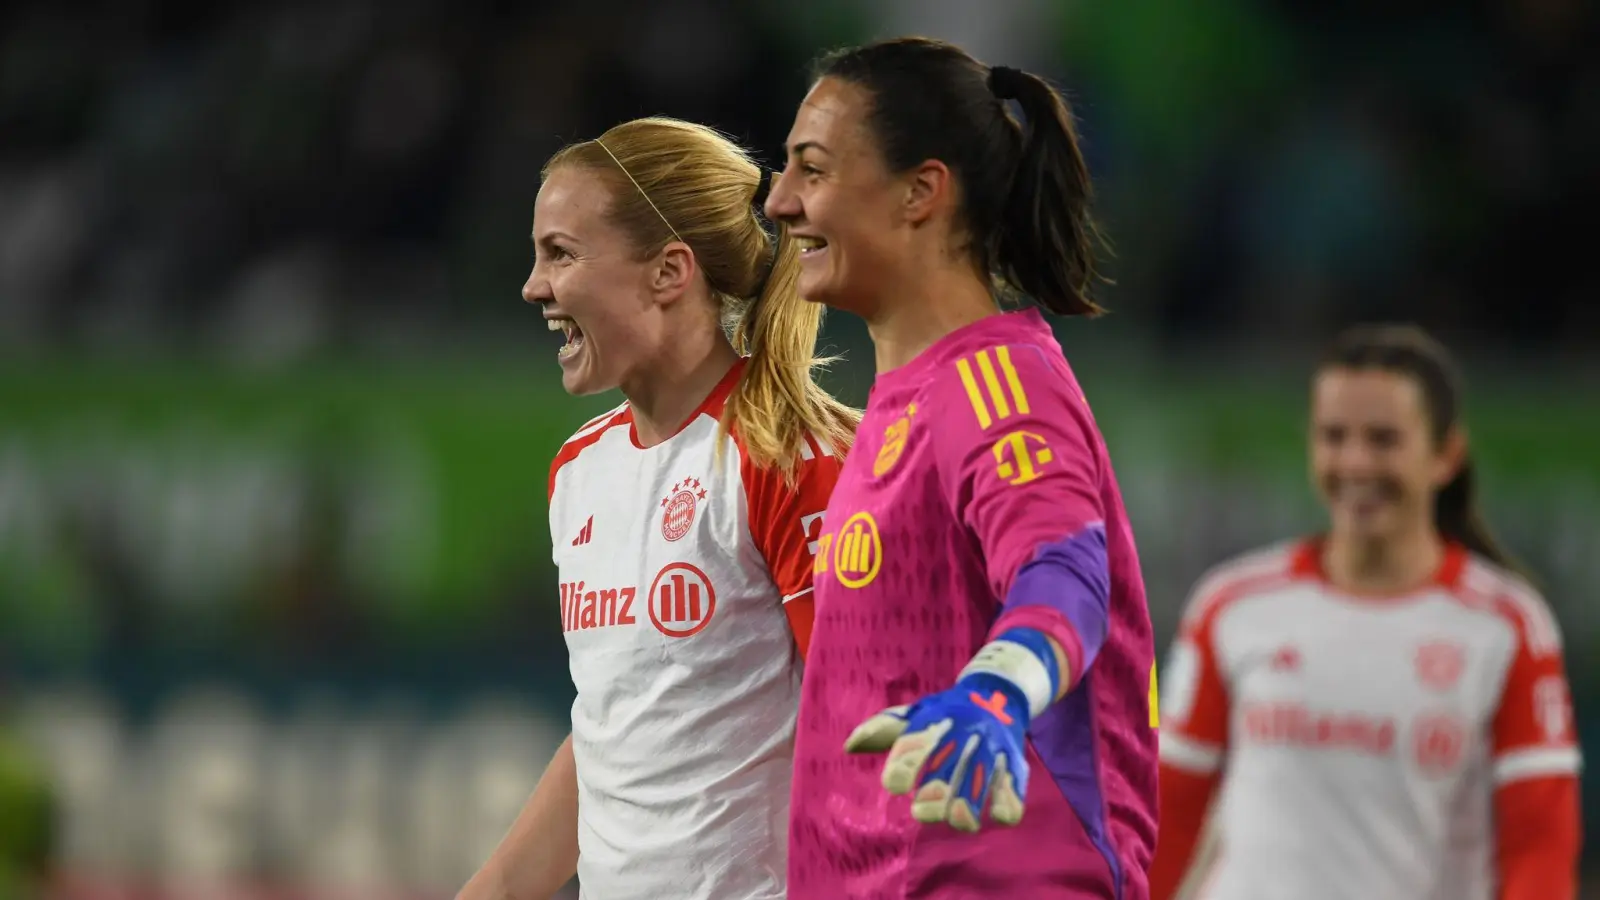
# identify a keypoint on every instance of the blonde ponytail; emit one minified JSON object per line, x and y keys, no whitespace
{"x":778,"y":402}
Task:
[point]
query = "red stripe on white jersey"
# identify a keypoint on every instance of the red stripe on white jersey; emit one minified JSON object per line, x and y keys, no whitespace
{"x":584,"y":438}
{"x":1242,"y":575}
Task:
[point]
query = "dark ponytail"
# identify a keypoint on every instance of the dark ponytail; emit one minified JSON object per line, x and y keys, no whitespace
{"x":1025,"y":190}
{"x":1456,"y":515}
{"x":1408,"y":350}
{"x":1046,"y":242}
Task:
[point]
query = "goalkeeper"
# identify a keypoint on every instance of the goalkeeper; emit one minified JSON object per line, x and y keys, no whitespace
{"x":980,"y":616}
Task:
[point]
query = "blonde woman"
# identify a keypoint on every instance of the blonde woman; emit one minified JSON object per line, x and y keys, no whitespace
{"x":682,"y":522}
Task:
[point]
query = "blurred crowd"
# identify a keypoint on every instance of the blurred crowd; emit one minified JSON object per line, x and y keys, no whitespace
{"x":272,"y":178}
{"x":1290,"y":167}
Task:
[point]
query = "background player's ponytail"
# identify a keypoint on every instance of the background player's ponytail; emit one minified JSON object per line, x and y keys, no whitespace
{"x":674,"y":180}
{"x":1409,"y":351}
{"x":1026,"y":195}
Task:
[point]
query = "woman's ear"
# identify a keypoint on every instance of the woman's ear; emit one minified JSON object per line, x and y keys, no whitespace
{"x":674,"y":272}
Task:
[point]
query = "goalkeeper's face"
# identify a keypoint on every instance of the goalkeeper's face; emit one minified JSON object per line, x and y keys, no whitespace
{"x":1373,"y":455}
{"x":592,"y":285}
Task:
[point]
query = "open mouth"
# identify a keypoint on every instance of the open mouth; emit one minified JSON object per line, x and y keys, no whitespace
{"x":810,"y":246}
{"x":1364,"y":498}
{"x":573,"y":333}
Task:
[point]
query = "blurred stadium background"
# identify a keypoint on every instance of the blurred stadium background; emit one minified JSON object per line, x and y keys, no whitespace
{"x":277,"y":616}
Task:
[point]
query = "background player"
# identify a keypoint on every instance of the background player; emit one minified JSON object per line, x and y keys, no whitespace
{"x":1388,"y":701}
{"x":978,"y":575}
{"x":679,"y":554}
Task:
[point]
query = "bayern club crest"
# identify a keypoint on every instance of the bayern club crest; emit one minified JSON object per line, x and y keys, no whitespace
{"x":678,"y":508}
{"x":1440,"y":664}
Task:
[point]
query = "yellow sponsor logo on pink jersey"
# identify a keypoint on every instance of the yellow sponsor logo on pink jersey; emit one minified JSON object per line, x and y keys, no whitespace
{"x":819,"y":565}
{"x":857,"y":551}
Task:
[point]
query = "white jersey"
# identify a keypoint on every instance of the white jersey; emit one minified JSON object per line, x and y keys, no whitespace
{"x":685,"y":599}
{"x":1362,"y":740}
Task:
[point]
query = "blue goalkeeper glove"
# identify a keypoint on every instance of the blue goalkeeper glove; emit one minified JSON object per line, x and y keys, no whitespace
{"x":963,"y":750}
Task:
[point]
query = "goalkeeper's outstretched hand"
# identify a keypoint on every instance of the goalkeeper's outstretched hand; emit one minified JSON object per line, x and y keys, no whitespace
{"x":961,"y":751}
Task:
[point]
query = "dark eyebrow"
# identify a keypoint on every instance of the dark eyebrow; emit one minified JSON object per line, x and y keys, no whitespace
{"x":803,"y":146}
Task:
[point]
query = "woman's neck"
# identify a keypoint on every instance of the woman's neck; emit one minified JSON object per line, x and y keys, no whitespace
{"x":925,"y":308}
{"x":664,"y":397}
{"x":1393,"y":565}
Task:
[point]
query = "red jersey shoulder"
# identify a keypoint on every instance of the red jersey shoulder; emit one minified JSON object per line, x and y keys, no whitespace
{"x":1498,"y":591}
{"x":785,"y":522}
{"x":1247,"y":575}
{"x":772,"y":500}
{"x":1532,"y":730}
{"x":585,"y":437}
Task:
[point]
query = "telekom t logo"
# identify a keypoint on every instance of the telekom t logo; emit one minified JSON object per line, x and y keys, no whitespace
{"x":1020,"y":455}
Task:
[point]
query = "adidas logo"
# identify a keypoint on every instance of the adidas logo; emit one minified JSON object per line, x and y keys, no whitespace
{"x":585,"y":534}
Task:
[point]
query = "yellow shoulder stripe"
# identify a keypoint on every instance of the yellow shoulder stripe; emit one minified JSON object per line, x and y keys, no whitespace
{"x":993,"y":401}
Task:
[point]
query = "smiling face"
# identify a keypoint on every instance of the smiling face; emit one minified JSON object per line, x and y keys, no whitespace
{"x":589,"y":278}
{"x":1374,"y":456}
{"x":838,"y":198}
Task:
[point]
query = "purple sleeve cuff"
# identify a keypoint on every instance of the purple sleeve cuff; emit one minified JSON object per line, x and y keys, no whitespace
{"x":1064,"y":591}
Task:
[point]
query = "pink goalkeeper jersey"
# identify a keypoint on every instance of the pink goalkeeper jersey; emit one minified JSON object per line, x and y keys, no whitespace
{"x":974,"y":461}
